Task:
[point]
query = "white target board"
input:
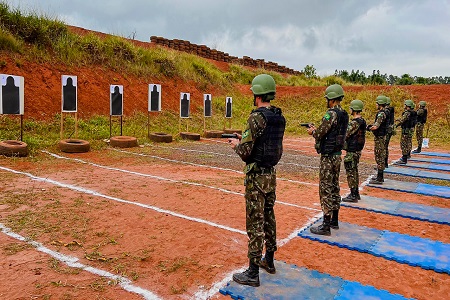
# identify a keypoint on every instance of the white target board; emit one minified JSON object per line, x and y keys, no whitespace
{"x":185,"y":99}
{"x":228,"y":107}
{"x":207,"y":105}
{"x":116,"y":100}
{"x":69,"y":93}
{"x":12,"y":92}
{"x":154,"y":97}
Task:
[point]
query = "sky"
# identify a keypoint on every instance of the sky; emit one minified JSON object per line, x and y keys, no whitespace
{"x":395,"y":37}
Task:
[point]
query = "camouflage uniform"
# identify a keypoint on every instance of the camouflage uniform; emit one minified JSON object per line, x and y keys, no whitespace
{"x":330,"y":166}
{"x":421,"y":112}
{"x":390,"y":131}
{"x":351,"y":159}
{"x":260,"y":186}
{"x":407,"y":134}
{"x":380,"y":146}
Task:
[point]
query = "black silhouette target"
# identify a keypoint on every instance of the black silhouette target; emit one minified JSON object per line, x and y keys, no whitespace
{"x":12,"y":95}
{"x":184,"y":105}
{"x":116,"y":96}
{"x":228,"y":107}
{"x":154,"y":97}
{"x":207,"y":105}
{"x":69,"y":93}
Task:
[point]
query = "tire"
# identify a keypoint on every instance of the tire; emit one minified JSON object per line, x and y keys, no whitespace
{"x":190,"y":136}
{"x":239,"y":131}
{"x":13,"y":148}
{"x":123,"y":141}
{"x":74,"y":146}
{"x":214,"y":133}
{"x":160,"y":137}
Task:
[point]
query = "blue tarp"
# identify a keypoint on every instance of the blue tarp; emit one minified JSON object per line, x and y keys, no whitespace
{"x":429,"y":166}
{"x":414,"y":187}
{"x":430,"y":160}
{"x":417,"y":173}
{"x":434,"y":154}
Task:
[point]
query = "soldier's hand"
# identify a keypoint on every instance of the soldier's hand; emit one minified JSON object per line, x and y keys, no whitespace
{"x":233,"y":142}
{"x":311,"y":129}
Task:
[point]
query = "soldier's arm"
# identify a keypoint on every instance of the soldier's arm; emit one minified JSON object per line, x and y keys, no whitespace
{"x":327,"y":122}
{"x":255,"y":126}
{"x":381,"y":116}
{"x":352,"y":128}
{"x":403,"y":119}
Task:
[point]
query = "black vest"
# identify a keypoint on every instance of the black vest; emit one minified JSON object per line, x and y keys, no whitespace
{"x":381,"y":131}
{"x":334,"y":140}
{"x":268,"y":148}
{"x":409,"y":123}
{"x":422,"y":119}
{"x":356,"y":141}
{"x":391,"y":115}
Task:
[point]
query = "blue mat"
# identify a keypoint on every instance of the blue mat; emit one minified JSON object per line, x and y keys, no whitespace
{"x":430,"y":160}
{"x":402,"y":209}
{"x":402,"y":248}
{"x":434,"y":154}
{"x":292,"y":282}
{"x":414,"y":187}
{"x":423,"y":165}
{"x":417,"y":173}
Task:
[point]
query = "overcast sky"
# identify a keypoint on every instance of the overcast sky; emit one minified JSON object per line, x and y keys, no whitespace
{"x":395,"y":37}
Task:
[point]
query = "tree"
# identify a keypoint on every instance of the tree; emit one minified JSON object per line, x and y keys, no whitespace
{"x":309,"y":71}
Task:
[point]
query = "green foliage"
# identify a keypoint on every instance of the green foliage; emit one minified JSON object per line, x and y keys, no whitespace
{"x":8,"y":42}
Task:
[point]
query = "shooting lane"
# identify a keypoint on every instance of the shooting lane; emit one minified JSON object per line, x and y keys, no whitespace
{"x":229,"y":116}
{"x":69,"y":98}
{"x":154,"y":106}
{"x":185,"y":103}
{"x":207,"y":114}
{"x":12,"y":103}
{"x":116,"y":109}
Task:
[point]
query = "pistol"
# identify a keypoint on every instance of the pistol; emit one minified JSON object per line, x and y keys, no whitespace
{"x":307,"y":125}
{"x":229,"y":135}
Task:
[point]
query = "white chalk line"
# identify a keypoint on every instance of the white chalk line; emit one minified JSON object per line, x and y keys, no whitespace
{"x":73,"y":262}
{"x":168,"y":179}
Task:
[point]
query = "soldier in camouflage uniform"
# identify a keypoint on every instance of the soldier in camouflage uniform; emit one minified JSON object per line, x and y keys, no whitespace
{"x":330,"y":137}
{"x":421,"y":120}
{"x":354,"y":143}
{"x":260,"y":147}
{"x":407,"y":123}
{"x":379,"y":130}
{"x":390,"y":130}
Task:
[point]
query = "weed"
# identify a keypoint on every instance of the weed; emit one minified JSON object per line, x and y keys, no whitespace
{"x":13,"y":248}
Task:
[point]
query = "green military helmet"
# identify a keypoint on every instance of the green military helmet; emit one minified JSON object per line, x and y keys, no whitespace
{"x":381,"y":99}
{"x":263,"y":84}
{"x":356,"y":105}
{"x":334,"y":91}
{"x":409,"y":103}
{"x":422,"y":103}
{"x":388,"y":100}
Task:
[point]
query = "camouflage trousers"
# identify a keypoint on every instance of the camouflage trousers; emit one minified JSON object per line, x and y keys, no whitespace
{"x":406,"y":141}
{"x":260,"y":217}
{"x":351,"y":161}
{"x":380,"y":152}
{"x":386,"y":143}
{"x":329,"y":191}
{"x":419,"y":134}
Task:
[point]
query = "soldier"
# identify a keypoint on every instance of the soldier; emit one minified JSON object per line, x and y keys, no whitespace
{"x":354,"y":143}
{"x":390,"y":129}
{"x":260,"y":147}
{"x":330,"y":137}
{"x":407,"y":123}
{"x":379,"y":130}
{"x":422,"y":113}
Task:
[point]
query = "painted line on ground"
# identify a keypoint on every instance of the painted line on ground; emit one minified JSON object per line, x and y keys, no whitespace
{"x":168,"y":179}
{"x":73,"y":262}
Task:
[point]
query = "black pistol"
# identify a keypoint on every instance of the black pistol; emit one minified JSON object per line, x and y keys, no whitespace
{"x":229,"y":135}
{"x":307,"y":125}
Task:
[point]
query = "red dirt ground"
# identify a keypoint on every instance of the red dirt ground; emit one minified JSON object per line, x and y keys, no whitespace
{"x":185,"y":238}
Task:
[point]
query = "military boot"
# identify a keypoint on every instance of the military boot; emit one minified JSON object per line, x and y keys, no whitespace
{"x":323,"y":229}
{"x":352,"y":197}
{"x":267,"y":263}
{"x":418,"y":150}
{"x":403,"y":160}
{"x":248,"y":277}
{"x":409,"y":155}
{"x":379,"y":179}
{"x":358,"y":196}
{"x":334,"y":223}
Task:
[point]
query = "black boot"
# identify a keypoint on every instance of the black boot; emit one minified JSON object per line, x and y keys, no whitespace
{"x":352,"y":197}
{"x":248,"y":277}
{"x":358,"y":197}
{"x":379,"y":179}
{"x":409,"y":155}
{"x":323,"y":229}
{"x":267,"y":263}
{"x":403,"y":160}
{"x":334,"y":223}
{"x":418,"y":150}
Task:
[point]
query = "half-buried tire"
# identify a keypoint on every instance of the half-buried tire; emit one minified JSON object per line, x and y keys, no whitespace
{"x":190,"y":136}
{"x":123,"y":141}
{"x":160,"y":137}
{"x":74,"y":146}
{"x":13,"y":148}
{"x":213,"y":133}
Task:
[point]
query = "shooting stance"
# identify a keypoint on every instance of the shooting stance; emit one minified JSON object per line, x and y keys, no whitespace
{"x":260,"y":147}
